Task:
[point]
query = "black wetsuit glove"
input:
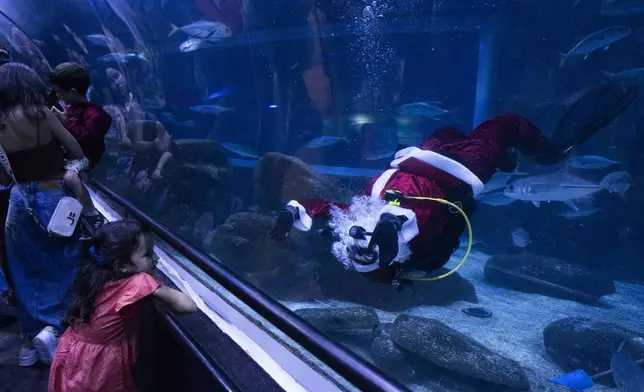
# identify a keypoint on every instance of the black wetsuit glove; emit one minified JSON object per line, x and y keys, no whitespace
{"x":551,"y":155}
{"x":284,"y":223}
{"x":385,"y":235}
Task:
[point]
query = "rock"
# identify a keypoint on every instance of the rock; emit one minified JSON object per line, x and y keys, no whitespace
{"x":356,"y":320}
{"x":286,"y":270}
{"x":449,"y":349}
{"x":579,"y":343}
{"x":281,"y":178}
{"x":384,"y":349}
{"x":207,"y":152}
{"x":547,"y":276}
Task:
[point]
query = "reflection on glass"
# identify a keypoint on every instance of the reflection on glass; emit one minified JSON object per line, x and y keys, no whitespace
{"x":260,"y":130}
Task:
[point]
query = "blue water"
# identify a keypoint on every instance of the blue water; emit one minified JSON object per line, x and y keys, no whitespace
{"x":298,"y":99}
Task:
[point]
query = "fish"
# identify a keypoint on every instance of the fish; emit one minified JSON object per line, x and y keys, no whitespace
{"x":564,"y":102}
{"x":589,"y":162}
{"x":431,"y":110}
{"x":623,"y":8}
{"x":628,"y":376}
{"x":75,"y":37}
{"x":380,"y":154}
{"x":98,"y":39}
{"x":572,"y":214}
{"x":169,"y":118}
{"x":192,"y":44}
{"x":496,"y":199}
{"x":559,"y":186}
{"x":499,"y":180}
{"x":205,"y":29}
{"x":520,"y":237}
{"x":213,"y":109}
{"x":120,"y":57}
{"x":617,"y":182}
{"x":238,"y":149}
{"x":597,"y":40}
{"x":222,"y":93}
{"x":626,"y":74}
{"x":324,"y":141}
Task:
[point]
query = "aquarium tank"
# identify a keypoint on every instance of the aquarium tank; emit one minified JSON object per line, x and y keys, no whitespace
{"x":326,"y":151}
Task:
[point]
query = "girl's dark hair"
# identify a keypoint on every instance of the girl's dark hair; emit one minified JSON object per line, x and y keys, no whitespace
{"x":22,"y":92}
{"x":113,"y":246}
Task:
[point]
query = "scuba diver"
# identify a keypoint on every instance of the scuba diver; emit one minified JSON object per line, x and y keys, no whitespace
{"x":395,"y":230}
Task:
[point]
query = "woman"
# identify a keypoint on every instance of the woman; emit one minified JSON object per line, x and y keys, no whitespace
{"x":42,"y":267}
{"x":154,"y":150}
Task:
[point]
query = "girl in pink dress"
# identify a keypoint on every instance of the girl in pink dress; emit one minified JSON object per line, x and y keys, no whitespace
{"x":97,"y":352}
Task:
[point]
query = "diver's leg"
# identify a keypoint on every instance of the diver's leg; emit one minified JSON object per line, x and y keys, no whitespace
{"x":486,"y":148}
{"x":442,"y":136}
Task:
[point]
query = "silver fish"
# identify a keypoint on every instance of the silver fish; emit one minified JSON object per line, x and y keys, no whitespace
{"x":589,"y":162}
{"x":122,"y":57}
{"x":499,"y":180}
{"x":203,"y":29}
{"x":628,"y":376}
{"x":597,"y":40}
{"x":559,"y":186}
{"x":431,"y":109}
{"x":496,"y":199}
{"x":98,"y":39}
{"x":192,"y":44}
{"x":238,"y":149}
{"x":324,"y":141}
{"x":572,"y":214}
{"x":213,"y":109}
{"x":617,"y":182}
{"x":626,"y":74}
{"x":623,"y":8}
{"x":520,"y":238}
{"x":380,"y":154}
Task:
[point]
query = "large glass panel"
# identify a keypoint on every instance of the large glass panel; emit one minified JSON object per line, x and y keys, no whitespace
{"x":226,"y":110}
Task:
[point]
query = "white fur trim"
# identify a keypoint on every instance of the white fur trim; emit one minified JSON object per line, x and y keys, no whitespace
{"x":381,"y":182}
{"x":304,"y":222}
{"x":365,"y":268}
{"x":440,"y":162}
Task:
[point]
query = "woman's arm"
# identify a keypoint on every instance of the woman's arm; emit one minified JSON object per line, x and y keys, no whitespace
{"x":162,"y":162}
{"x":63,"y":136}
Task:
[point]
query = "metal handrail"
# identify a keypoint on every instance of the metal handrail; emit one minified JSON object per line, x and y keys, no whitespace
{"x":223,"y":381}
{"x":358,"y":372}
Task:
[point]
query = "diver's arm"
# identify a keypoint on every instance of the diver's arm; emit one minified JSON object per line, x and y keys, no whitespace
{"x":311,"y":209}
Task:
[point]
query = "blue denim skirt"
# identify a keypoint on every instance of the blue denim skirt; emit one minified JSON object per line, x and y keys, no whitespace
{"x":42,"y":267}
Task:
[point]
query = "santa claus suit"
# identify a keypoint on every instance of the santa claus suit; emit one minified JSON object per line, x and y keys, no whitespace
{"x":448,"y":160}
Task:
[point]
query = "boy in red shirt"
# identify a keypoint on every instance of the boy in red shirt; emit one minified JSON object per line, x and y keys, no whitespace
{"x":88,"y":123}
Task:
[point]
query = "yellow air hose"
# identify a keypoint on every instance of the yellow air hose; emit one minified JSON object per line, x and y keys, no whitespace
{"x":469,"y":234}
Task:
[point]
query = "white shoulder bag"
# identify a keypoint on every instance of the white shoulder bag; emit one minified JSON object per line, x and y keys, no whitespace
{"x":65,"y":218}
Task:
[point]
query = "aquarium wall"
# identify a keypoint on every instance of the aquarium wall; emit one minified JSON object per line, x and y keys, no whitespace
{"x":226,"y":111}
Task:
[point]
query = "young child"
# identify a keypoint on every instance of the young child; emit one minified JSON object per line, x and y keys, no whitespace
{"x":89,"y":124}
{"x":96,"y":353}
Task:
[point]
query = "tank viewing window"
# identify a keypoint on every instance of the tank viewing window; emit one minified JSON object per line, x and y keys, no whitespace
{"x":326,"y":152}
